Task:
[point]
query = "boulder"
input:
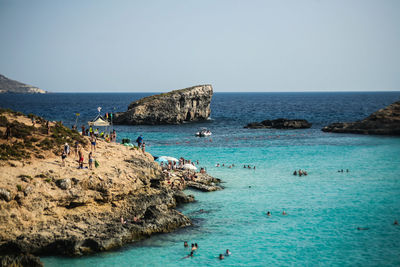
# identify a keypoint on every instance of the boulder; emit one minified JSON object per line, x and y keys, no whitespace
{"x":279,"y":124}
{"x":385,"y":121}
{"x":175,"y":107}
{"x":64,"y":183}
{"x":5,"y":194}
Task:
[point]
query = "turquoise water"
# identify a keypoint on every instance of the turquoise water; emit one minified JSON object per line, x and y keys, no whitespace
{"x":324,"y":209}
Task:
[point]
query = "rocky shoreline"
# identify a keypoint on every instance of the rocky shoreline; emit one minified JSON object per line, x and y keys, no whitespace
{"x":385,"y":121}
{"x":46,"y":209}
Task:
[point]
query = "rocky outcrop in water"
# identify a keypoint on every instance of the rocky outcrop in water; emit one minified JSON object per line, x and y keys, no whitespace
{"x":279,"y":124}
{"x":385,"y":121}
{"x":175,"y":107}
{"x":10,"y":86}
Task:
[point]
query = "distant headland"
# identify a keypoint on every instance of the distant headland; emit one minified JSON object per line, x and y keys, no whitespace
{"x":10,"y":86}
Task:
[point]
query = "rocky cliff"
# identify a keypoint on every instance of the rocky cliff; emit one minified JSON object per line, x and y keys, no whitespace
{"x":46,"y":208}
{"x":279,"y":124}
{"x":175,"y":107}
{"x":385,"y":121}
{"x":10,"y":86}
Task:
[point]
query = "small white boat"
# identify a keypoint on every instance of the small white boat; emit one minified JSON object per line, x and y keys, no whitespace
{"x":203,"y":133}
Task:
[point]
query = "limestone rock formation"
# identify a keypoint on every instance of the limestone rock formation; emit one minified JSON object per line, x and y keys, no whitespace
{"x":279,"y":124}
{"x":175,"y":107}
{"x":46,"y":208}
{"x":10,"y":86}
{"x":385,"y":121}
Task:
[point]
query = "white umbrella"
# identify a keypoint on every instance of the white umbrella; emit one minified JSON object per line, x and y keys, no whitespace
{"x":189,"y":167}
{"x":169,"y":158}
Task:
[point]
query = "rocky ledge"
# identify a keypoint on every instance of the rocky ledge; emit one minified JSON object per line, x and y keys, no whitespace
{"x":175,"y":107}
{"x":279,"y":124}
{"x":47,"y":209}
{"x":385,"y":121}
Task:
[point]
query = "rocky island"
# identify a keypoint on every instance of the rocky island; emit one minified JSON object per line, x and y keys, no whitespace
{"x":50,"y":209}
{"x":175,"y":107}
{"x":385,"y":121}
{"x":279,"y":124}
{"x":10,"y":86}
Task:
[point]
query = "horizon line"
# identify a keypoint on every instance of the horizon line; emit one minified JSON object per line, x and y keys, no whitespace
{"x":309,"y":91}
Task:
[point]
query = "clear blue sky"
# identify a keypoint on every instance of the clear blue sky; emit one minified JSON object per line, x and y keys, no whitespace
{"x":151,"y":46}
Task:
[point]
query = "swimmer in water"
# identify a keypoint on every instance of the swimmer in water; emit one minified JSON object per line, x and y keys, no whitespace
{"x":188,"y":256}
{"x":284,"y":213}
{"x":396,"y":222}
{"x":185,"y":244}
{"x":362,"y":228}
{"x":268,"y":213}
{"x":217,"y":165}
{"x":227,"y":252}
{"x":193,"y":247}
{"x":221,"y":256}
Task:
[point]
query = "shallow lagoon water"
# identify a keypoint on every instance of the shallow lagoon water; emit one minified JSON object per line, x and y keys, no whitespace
{"x":324,"y":208}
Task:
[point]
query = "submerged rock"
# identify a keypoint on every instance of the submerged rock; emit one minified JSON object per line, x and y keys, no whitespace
{"x":279,"y":124}
{"x":175,"y":107}
{"x":385,"y":121}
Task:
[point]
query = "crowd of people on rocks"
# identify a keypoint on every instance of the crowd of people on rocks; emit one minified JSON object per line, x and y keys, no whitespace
{"x":78,"y":151}
{"x":179,"y":181}
{"x":194,"y":248}
{"x":108,"y":137}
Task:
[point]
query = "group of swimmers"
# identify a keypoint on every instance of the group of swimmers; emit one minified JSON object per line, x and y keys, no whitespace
{"x":223,"y":165}
{"x":347,"y":170}
{"x":300,"y":172}
{"x":195,"y":247}
{"x":269,"y":213}
{"x":233,"y":165}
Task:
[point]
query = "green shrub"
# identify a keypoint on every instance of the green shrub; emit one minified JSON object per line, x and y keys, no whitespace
{"x":23,"y":176}
{"x":3,"y":121}
{"x":46,"y":144}
{"x":19,"y":187}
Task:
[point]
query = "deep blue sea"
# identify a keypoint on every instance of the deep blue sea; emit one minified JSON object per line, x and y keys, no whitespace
{"x":324,"y":209}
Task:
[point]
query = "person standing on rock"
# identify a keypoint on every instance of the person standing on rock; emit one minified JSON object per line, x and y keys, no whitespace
{"x":8,"y":132}
{"x":144,"y":147}
{"x":139,"y":141}
{"x":92,"y":143}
